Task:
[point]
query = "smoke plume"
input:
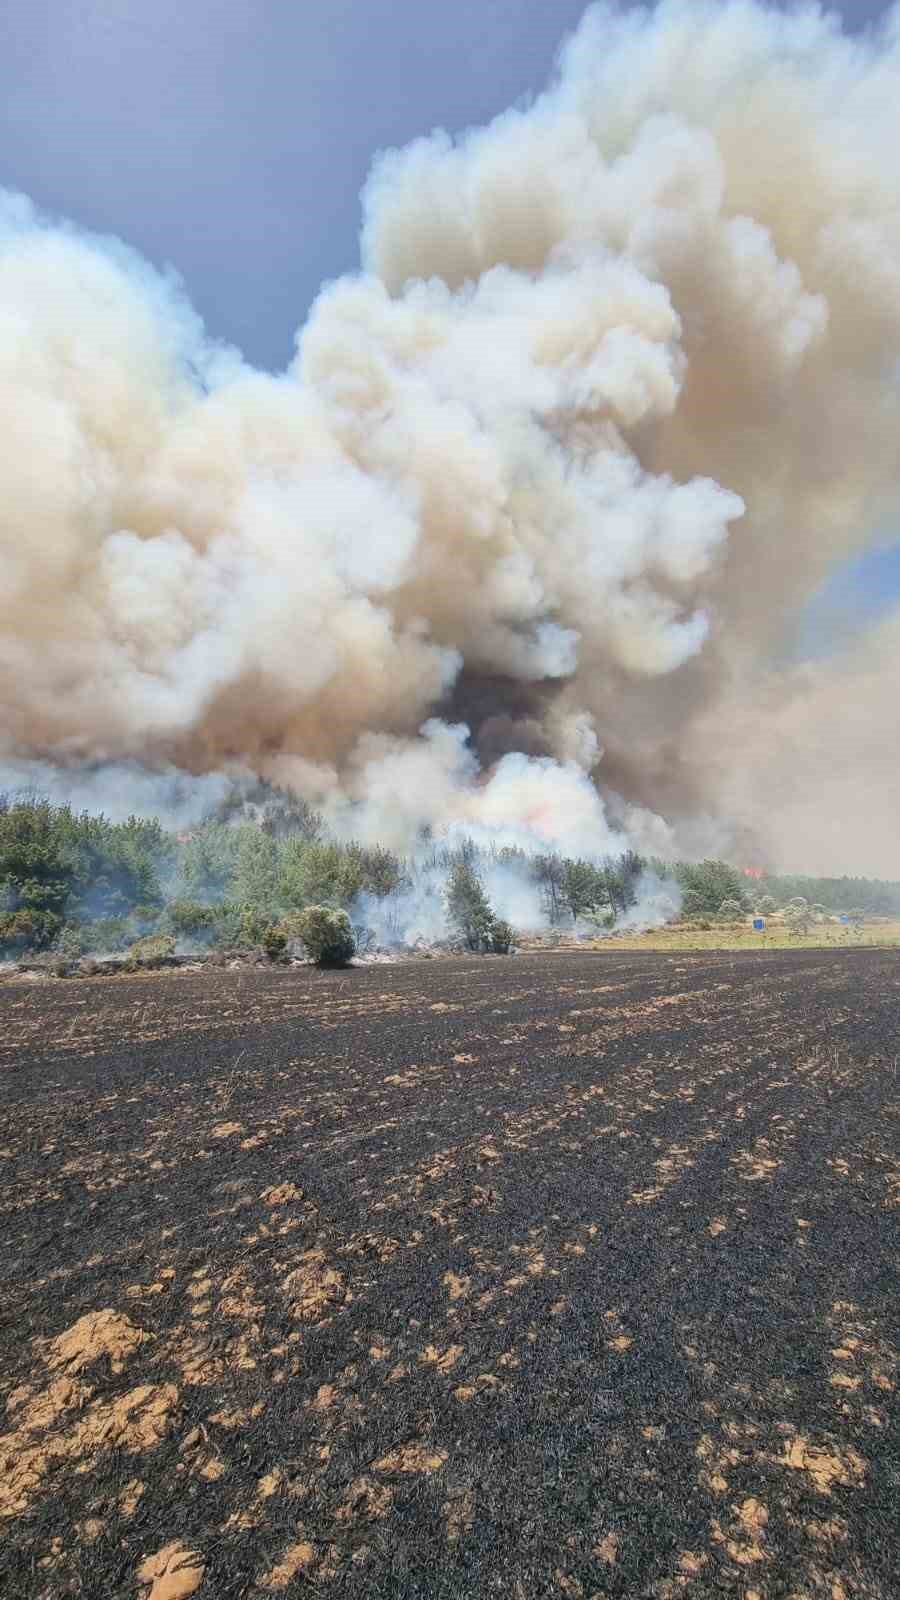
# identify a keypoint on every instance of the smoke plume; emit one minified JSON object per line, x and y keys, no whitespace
{"x":520,"y":540}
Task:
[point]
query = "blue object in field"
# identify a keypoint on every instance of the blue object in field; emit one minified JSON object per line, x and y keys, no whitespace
{"x":759,"y":924}
{"x":845,"y":919}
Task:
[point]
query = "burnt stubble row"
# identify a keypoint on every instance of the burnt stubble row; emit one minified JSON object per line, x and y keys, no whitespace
{"x":567,"y":1274}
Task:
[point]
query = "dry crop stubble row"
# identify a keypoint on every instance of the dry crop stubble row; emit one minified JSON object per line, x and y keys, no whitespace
{"x":566,"y":1275}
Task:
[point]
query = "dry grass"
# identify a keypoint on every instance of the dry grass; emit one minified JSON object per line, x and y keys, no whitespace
{"x":825,"y":936}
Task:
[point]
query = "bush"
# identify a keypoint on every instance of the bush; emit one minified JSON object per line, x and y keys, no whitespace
{"x":731,"y":909}
{"x":797,"y":918}
{"x":71,"y":944}
{"x":105,"y":935}
{"x":188,"y":918}
{"x":501,"y":937}
{"x":154,"y":949}
{"x":327,"y":935}
{"x":364,"y":939}
{"x":253,"y":925}
{"x":275,"y":941}
{"x":27,"y":929}
{"x":233,"y":925}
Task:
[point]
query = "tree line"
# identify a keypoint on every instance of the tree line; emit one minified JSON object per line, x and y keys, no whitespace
{"x":78,"y":883}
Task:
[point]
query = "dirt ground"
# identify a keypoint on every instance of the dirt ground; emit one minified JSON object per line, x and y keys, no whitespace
{"x":570,"y":1274}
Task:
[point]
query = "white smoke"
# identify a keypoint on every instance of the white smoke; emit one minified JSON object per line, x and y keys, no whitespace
{"x":615,"y":391}
{"x":124,"y":789}
{"x":657,"y":901}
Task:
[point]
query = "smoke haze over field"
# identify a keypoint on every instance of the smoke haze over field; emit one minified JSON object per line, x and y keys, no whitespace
{"x":521,"y":541}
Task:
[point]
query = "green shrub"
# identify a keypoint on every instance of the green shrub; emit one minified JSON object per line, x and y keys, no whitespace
{"x":275,"y":942}
{"x":501,"y":937}
{"x":253,"y":925}
{"x":232,"y":924}
{"x":188,"y":918}
{"x":153,"y":948}
{"x":27,"y":929}
{"x":327,"y":935}
{"x":731,"y":909}
{"x":71,"y":943}
{"x":797,"y":917}
{"x":105,"y":935}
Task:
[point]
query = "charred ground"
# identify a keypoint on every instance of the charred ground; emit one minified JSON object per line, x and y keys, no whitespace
{"x":566,"y":1275}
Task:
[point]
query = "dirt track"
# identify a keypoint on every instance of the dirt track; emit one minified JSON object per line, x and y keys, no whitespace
{"x":563,"y":1275}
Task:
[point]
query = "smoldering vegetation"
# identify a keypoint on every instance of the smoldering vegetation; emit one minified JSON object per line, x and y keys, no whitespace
{"x":261,"y":877}
{"x":246,"y":877}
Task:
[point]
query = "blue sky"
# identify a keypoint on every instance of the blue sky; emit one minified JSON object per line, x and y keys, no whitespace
{"x":231,"y":137}
{"x":858,"y":593}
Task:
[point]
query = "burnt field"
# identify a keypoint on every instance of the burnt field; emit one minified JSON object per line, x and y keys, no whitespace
{"x":565,"y":1275}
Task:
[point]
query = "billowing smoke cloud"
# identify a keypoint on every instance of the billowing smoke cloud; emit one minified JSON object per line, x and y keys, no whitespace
{"x":615,"y":391}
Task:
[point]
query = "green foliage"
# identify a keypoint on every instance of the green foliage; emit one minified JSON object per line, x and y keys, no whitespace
{"x":469,"y":910}
{"x":317,"y":872}
{"x":55,"y":861}
{"x":467,"y":906}
{"x":81,"y":884}
{"x":146,"y":952}
{"x":255,"y":878}
{"x":871,"y":896}
{"x":105,"y":935}
{"x":118,"y":865}
{"x":189,"y":919}
{"x":245,"y":925}
{"x":323,"y":872}
{"x":706,"y":884}
{"x":290,"y":925}
{"x":275,"y":942}
{"x":327,"y":935}
{"x":27,"y":929}
{"x":71,"y":943}
{"x":208,"y":861}
{"x":381,"y":872}
{"x":227,"y":924}
{"x":548,"y":872}
{"x":501,"y":937}
{"x":584,"y":888}
{"x":797,"y":917}
{"x":731,"y":908}
{"x":622,"y":880}
{"x":38,"y":864}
